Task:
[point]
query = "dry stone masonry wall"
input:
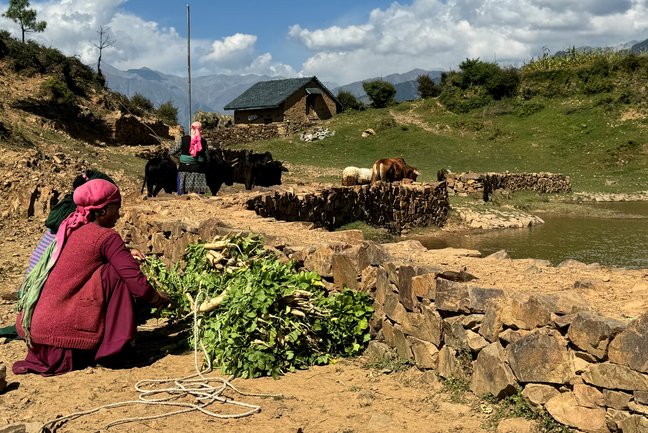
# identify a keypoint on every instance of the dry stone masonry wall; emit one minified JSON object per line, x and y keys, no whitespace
{"x":245,"y":133}
{"x":396,"y":206}
{"x":468,"y":183}
{"x":588,"y":371}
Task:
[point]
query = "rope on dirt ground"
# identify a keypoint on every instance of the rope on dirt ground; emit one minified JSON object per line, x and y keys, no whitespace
{"x":197,"y":385}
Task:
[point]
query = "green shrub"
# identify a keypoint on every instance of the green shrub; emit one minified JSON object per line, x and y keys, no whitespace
{"x":167,"y":113}
{"x":140,"y":104}
{"x":56,"y":91}
{"x":380,"y":92}
{"x":597,"y":85}
{"x":460,"y":101}
{"x":349,"y":101}
{"x":427,"y":88}
{"x":527,"y":108}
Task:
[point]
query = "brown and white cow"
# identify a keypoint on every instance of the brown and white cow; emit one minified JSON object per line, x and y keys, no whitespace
{"x":392,"y":170}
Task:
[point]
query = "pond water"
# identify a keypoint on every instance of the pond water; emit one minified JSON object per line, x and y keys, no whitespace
{"x":621,"y":240}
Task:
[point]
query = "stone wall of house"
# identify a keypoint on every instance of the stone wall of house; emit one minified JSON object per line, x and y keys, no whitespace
{"x":396,"y":206}
{"x":244,"y":133}
{"x":586,"y":370}
{"x":468,"y":183}
{"x":258,"y":117}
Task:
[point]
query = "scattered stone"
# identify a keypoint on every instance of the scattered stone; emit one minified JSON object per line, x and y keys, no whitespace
{"x":424,"y":286}
{"x":641,"y":397}
{"x":529,"y":313}
{"x":509,"y":336}
{"x":368,"y":132}
{"x":588,"y":396}
{"x":630,"y":347}
{"x":541,"y":357}
{"x":344,"y":271}
{"x":498,"y":255}
{"x":539,"y":394}
{"x":592,"y":333}
{"x":638,"y":408}
{"x":613,"y":376}
{"x":475,"y":341}
{"x":565,"y":409}
{"x":617,"y":399}
{"x":317,"y":134}
{"x":448,"y":366}
{"x":426,"y":354}
{"x":491,"y":373}
{"x":464,"y":298}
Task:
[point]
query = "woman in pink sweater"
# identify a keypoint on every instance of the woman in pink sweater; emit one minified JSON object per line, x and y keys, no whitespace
{"x":85,"y":311}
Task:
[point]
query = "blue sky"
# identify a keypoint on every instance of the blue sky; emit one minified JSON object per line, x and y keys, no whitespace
{"x":340,"y":41}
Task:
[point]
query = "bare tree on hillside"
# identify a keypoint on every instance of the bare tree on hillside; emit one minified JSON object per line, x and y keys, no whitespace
{"x":105,"y":41}
{"x":25,"y":18}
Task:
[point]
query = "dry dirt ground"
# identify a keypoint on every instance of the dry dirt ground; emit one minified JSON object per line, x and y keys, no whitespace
{"x":344,"y":397}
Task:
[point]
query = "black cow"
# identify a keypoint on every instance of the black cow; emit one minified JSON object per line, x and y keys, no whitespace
{"x":255,"y":168}
{"x":219,"y":171}
{"x":269,"y":174}
{"x":160,"y":173}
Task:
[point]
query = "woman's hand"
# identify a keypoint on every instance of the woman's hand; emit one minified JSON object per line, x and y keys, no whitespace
{"x":161,"y":300}
{"x":137,"y":255}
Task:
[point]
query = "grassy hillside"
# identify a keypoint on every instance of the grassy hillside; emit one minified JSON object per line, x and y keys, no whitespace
{"x":600,"y":139}
{"x":583,"y":115}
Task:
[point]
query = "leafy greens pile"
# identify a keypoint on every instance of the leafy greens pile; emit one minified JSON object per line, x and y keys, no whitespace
{"x":260,"y":316}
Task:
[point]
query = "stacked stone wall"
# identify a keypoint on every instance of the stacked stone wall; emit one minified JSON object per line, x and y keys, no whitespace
{"x":468,"y":183}
{"x":245,"y":133}
{"x":586,"y":370}
{"x":394,"y":206}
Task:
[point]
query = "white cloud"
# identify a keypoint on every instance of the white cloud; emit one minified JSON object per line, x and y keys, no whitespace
{"x":430,"y":34}
{"x":437,"y":34}
{"x":72,"y":27}
{"x":233,"y":51}
{"x":334,"y":37}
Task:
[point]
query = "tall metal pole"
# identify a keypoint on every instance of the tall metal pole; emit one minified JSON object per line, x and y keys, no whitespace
{"x":189,"y":62}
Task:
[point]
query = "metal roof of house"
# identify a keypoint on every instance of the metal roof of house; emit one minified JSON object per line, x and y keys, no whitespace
{"x":270,"y":94}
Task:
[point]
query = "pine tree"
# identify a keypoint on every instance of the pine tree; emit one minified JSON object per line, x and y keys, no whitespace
{"x":24,"y":17}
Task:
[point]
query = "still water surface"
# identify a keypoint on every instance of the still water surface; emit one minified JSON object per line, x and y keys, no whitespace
{"x":614,"y":241}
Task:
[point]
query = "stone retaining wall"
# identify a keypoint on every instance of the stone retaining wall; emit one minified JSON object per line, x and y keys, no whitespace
{"x":588,"y":371}
{"x":468,"y":183}
{"x":396,"y":206}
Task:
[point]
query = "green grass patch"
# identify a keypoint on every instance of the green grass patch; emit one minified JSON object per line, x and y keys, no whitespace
{"x":593,"y":143}
{"x":518,"y":406}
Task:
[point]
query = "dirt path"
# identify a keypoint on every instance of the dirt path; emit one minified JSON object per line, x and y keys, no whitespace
{"x":411,"y":118}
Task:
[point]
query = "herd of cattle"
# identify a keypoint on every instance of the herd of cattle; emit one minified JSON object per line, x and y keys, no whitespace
{"x":227,"y":166}
{"x":223,"y":166}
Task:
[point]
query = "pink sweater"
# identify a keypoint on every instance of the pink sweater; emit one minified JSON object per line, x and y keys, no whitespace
{"x":71,"y":309}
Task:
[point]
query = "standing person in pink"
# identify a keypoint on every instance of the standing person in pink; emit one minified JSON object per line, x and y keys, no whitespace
{"x":193,"y":160}
{"x":84,"y":305}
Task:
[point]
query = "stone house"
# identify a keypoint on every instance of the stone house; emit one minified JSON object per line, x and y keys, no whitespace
{"x":296,"y":100}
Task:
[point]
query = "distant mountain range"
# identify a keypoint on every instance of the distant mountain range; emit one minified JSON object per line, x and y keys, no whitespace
{"x":213,"y":92}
